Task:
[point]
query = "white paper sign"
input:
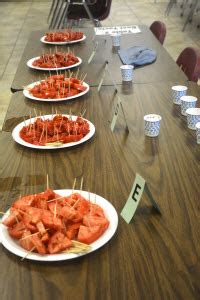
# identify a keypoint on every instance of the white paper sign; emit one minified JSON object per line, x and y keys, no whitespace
{"x":117,"y":29}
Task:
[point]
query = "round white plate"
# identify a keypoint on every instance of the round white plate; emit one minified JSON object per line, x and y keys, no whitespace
{"x":30,"y":65}
{"x":17,"y":138}
{"x":62,"y":43}
{"x":12,"y":244}
{"x":28,"y":95}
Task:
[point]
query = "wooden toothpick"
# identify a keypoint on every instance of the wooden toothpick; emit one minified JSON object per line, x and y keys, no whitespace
{"x":84,"y":77}
{"x":81,"y":187}
{"x":28,"y":253}
{"x":47,"y":181}
{"x":74,"y":184}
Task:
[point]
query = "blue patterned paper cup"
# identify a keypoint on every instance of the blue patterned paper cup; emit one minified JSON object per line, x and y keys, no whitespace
{"x":127,"y":72}
{"x":193,"y":117}
{"x":187,"y":102}
{"x":177,"y":92}
{"x":152,"y":125}
{"x":116,"y":37}
{"x":198,"y":132}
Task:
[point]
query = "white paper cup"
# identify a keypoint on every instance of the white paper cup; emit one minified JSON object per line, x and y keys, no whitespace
{"x":187,"y":102}
{"x":127,"y":72}
{"x":193,"y":117}
{"x":177,"y":92}
{"x":116,"y":37}
{"x":198,"y":132}
{"x":152,"y":124}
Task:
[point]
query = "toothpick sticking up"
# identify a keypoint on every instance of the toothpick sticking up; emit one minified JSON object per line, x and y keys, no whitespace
{"x":95,"y":198}
{"x":28,"y":253}
{"x":76,"y":76}
{"x":83,"y":113}
{"x":83,"y":78}
{"x":52,"y":112}
{"x":47,"y":181}
{"x":70,"y":114}
{"x":55,"y":210}
{"x":35,"y":111}
{"x":74,"y":184}
{"x":89,"y":195}
{"x":81,"y":187}
{"x":71,"y":74}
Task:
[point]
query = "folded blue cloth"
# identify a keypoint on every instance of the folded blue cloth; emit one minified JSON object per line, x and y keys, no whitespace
{"x":137,"y":56}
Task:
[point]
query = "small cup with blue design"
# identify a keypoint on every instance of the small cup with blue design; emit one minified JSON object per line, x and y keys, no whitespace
{"x":193,"y":117}
{"x":198,"y":132}
{"x":116,"y":37}
{"x":187,"y":102}
{"x":127,"y":72}
{"x":152,"y":125}
{"x":177,"y":92}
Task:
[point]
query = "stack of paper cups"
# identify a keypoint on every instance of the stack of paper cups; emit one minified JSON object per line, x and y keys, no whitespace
{"x":193,"y":117}
{"x":177,"y":92}
{"x":198,"y":132}
{"x":187,"y":102}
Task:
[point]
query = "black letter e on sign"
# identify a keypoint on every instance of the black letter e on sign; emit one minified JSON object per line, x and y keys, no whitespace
{"x":135,"y":192}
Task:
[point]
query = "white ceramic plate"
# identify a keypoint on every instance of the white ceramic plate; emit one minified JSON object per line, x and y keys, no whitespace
{"x":62,"y":43}
{"x":17,"y":138}
{"x":12,"y":245}
{"x":30,"y":65}
{"x":30,"y":96}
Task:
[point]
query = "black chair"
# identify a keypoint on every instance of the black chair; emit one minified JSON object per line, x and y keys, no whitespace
{"x":63,"y":11}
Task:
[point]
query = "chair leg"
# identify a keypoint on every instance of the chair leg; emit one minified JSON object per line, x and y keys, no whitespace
{"x":89,"y":13}
{"x":169,"y":6}
{"x":56,"y":16}
{"x":63,"y":17}
{"x":184,"y":7}
{"x":54,"y":13}
{"x":53,"y":5}
{"x":190,"y":14}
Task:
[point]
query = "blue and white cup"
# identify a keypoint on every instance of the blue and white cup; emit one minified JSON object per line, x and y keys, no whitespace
{"x":187,"y":102}
{"x":152,"y":124}
{"x":193,"y":117}
{"x":127,"y":72}
{"x":198,"y":132}
{"x":177,"y":92}
{"x":116,"y":37}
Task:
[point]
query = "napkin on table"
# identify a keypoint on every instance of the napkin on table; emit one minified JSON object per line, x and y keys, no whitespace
{"x":137,"y":56}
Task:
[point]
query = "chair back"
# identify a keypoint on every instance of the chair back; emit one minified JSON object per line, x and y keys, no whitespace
{"x":158,"y":28}
{"x":189,"y":61}
{"x":99,"y":9}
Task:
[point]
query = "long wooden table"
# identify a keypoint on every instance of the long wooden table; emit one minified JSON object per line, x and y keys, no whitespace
{"x":162,"y":70}
{"x":155,"y":256}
